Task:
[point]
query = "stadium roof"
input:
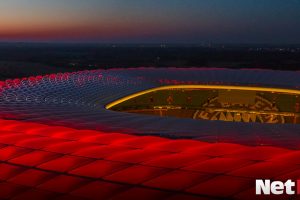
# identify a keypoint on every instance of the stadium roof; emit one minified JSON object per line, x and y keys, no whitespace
{"x":78,"y":100}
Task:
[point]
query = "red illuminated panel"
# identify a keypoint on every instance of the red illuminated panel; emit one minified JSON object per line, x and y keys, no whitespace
{"x":32,"y":177}
{"x":46,"y":162}
{"x":130,"y":175}
{"x":99,"y":168}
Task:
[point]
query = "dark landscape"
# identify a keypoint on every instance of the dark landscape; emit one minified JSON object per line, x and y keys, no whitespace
{"x":30,"y":59}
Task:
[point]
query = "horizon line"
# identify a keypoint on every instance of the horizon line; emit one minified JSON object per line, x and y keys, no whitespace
{"x":204,"y":43}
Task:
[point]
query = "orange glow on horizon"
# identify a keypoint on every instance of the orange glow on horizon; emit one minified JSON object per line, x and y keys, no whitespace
{"x":44,"y":28}
{"x":102,"y":31}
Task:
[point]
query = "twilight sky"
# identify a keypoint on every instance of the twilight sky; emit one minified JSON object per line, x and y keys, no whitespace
{"x":147,"y":21}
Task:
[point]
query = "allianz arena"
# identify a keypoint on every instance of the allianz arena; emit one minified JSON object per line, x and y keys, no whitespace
{"x":61,"y":138}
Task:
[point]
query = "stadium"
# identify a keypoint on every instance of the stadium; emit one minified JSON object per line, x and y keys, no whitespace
{"x":148,"y":133}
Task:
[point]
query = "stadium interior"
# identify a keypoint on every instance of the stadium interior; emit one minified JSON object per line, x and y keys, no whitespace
{"x":233,"y":104}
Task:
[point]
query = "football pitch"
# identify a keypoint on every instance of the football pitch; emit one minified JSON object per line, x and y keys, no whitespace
{"x":216,"y":104}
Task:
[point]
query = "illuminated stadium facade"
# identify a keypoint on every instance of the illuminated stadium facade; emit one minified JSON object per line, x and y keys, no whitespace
{"x":148,"y":134}
{"x":87,"y":99}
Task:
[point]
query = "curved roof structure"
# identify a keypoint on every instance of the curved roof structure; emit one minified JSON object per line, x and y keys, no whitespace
{"x":58,"y":141}
{"x":78,"y":100}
